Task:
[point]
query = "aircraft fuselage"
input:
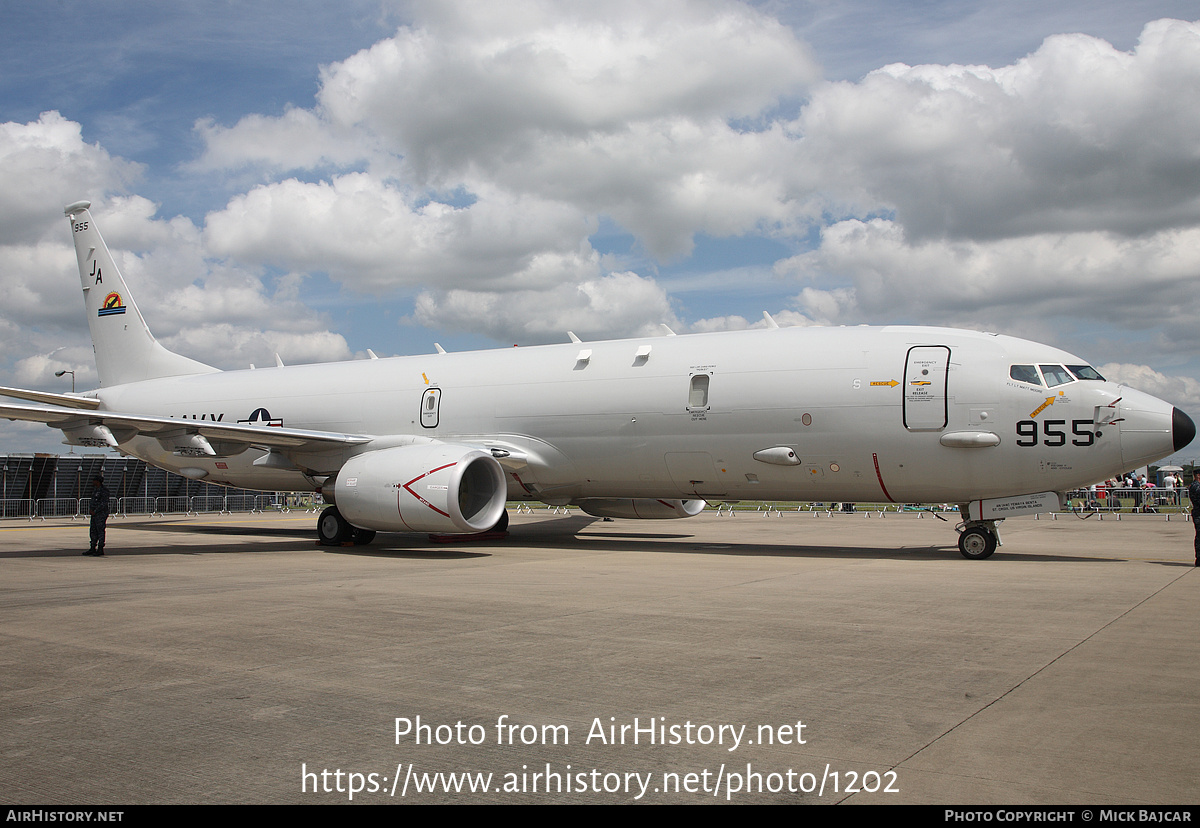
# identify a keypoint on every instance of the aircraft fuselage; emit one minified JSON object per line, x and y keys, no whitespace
{"x":902,"y":414}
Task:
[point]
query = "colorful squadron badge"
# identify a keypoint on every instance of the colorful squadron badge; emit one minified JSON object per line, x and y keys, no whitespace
{"x":112,"y":305}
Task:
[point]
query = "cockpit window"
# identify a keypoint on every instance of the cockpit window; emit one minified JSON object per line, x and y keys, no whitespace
{"x":1025,"y":373}
{"x":1085,"y":372}
{"x":1056,"y":375}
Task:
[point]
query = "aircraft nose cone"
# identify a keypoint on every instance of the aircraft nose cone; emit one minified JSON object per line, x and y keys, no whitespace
{"x":1183,"y":430}
{"x":1151,"y":428}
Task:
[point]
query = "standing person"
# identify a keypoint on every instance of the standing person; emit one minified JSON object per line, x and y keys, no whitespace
{"x":98,"y":507}
{"x":1194,"y":496}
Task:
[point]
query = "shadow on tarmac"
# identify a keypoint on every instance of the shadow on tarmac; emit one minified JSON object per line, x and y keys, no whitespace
{"x":565,"y":533}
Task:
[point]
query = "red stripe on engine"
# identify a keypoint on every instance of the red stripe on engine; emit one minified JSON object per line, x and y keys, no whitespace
{"x":417,"y":496}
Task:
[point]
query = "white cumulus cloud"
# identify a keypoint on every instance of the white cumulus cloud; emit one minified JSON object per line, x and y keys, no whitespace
{"x":1078,"y":136}
{"x":1184,"y":392}
{"x":615,"y":305}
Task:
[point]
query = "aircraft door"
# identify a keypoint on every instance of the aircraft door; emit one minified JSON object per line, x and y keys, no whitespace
{"x":431,"y":402}
{"x":925,"y":374}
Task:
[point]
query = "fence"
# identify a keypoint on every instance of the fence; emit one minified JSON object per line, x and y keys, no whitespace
{"x":1154,"y":501}
{"x":1136,"y":500}
{"x":69,"y":507}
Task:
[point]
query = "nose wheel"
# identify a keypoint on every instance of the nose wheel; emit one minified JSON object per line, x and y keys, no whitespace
{"x":978,"y":541}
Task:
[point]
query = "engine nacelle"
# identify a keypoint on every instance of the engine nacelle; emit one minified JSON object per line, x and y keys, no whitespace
{"x":643,"y":508}
{"x":429,"y":487}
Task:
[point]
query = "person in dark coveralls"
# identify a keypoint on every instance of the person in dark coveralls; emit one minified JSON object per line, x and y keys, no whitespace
{"x":98,"y":507}
{"x":1194,"y":496}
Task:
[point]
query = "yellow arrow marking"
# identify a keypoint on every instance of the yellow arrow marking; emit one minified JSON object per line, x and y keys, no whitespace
{"x":425,"y":378}
{"x":1049,"y":402}
{"x":890,"y":383}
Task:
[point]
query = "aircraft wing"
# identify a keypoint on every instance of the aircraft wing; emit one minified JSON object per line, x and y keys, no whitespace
{"x":110,"y":428}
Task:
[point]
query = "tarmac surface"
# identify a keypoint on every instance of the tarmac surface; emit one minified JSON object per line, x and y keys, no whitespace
{"x":232,"y":660}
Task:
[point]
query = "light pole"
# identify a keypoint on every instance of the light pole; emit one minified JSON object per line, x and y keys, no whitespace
{"x":70,"y":450}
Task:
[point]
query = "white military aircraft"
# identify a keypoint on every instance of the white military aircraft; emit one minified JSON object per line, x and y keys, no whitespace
{"x":638,"y":428}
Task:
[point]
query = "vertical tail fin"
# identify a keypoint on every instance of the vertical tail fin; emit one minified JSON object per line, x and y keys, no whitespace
{"x":126,"y":351}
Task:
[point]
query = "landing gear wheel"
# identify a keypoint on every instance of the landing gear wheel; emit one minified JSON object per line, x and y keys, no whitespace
{"x":502,"y":523}
{"x":977,"y":543}
{"x":362,"y":537}
{"x":332,"y":528}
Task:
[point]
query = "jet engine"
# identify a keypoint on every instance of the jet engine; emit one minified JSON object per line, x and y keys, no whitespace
{"x":430,"y":487}
{"x":643,"y":508}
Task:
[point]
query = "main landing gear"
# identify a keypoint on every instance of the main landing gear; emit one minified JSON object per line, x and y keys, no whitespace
{"x":978,"y":539}
{"x":502,"y":523}
{"x":335,"y":530}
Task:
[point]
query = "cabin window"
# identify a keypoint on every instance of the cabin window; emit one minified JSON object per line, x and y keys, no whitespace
{"x":698,"y":396}
{"x":1025,"y":373}
{"x":1085,"y":372}
{"x":1056,"y":375}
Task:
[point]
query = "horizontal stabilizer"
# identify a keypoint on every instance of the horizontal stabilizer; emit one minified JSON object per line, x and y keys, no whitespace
{"x":65,"y":400}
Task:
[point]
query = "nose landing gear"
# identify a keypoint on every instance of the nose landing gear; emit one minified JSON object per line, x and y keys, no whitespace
{"x":978,"y":539}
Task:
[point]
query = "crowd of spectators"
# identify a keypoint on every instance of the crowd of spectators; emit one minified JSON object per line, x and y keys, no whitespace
{"x":1146,"y":496}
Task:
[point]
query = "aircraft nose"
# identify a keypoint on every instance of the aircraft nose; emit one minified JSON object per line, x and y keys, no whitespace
{"x":1183,"y":430}
{"x":1151,"y":428}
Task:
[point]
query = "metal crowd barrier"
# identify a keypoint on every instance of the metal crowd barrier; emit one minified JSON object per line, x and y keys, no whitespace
{"x":1081,"y":500}
{"x":172,"y":505}
{"x":1125,"y":498}
{"x":70,"y":507}
{"x":17,"y":508}
{"x":58,"y":507}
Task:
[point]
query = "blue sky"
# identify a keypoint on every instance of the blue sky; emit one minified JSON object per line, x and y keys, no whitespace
{"x":314,"y":180}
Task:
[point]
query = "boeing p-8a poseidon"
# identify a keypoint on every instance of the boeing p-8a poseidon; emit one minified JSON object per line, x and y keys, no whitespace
{"x":638,"y":428}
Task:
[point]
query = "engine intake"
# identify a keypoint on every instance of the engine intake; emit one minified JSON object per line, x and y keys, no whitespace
{"x":431,"y":487}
